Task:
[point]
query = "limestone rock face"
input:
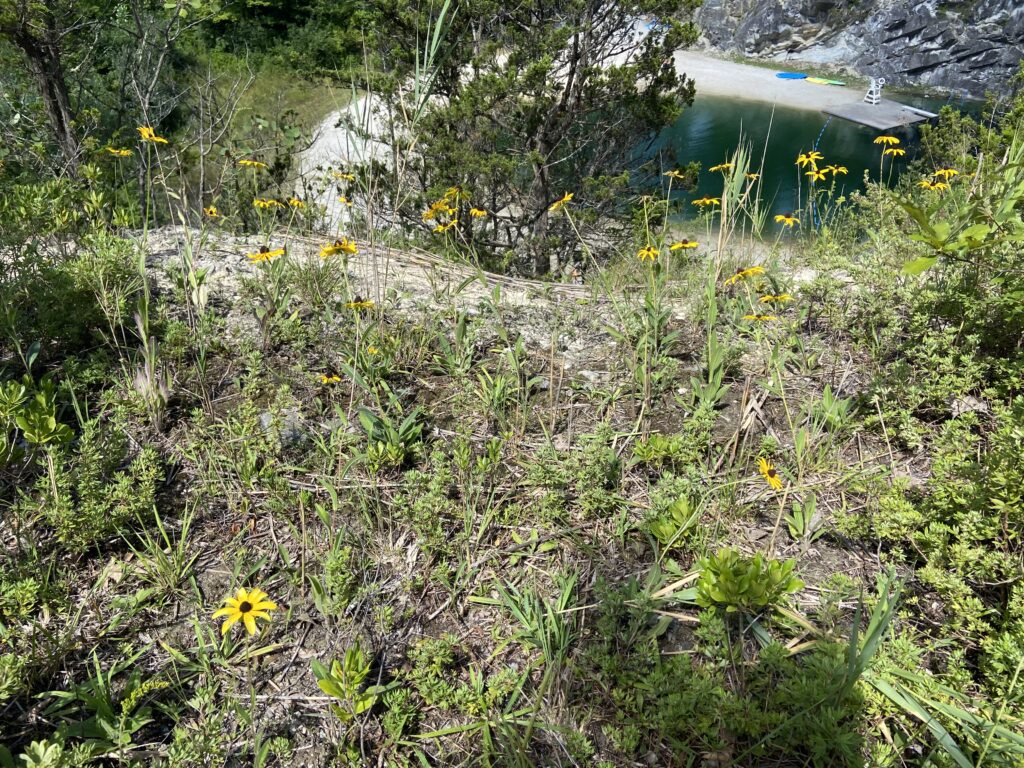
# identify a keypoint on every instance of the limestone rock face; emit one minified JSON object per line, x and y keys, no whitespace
{"x":971,"y":46}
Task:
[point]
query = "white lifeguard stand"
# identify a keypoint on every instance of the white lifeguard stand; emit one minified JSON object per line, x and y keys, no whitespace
{"x":874,"y":94}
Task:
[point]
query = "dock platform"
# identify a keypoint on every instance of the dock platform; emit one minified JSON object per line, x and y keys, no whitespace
{"x":883,"y":116}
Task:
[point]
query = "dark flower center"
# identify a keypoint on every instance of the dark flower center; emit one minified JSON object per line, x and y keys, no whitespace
{"x":772,"y":473}
{"x":245,"y":607}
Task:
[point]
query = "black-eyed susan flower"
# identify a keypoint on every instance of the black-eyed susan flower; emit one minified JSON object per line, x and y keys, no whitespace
{"x":679,"y":245}
{"x":343,"y":245}
{"x":148,"y":134}
{"x":294,"y":202}
{"x":835,"y":170}
{"x":704,"y":202}
{"x":455,"y":194}
{"x":787,"y":219}
{"x":478,"y":213}
{"x":648,"y":253}
{"x":265,"y":203}
{"x":894,"y":152}
{"x":359,"y":303}
{"x":560,"y":203}
{"x":889,"y":141}
{"x":119,"y":152}
{"x":246,"y":606}
{"x":770,"y":474}
{"x":743,"y":274}
{"x":815,"y":175}
{"x":760,"y":318}
{"x":925,"y":183}
{"x":211,"y":212}
{"x":809,"y":158}
{"x":674,"y":174}
{"x":372,"y":351}
{"x":344,"y":201}
{"x":781,"y":298}
{"x":265,"y":254}
{"x":438,"y":208}
{"x":248,"y":163}
{"x":330,"y":378}
{"x":441,"y":228}
{"x":343,"y":176}
{"x":938,"y":186}
{"x":720,"y":167}
{"x":946,"y":173}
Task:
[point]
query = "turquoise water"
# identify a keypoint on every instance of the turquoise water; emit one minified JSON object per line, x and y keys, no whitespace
{"x":710,"y":131}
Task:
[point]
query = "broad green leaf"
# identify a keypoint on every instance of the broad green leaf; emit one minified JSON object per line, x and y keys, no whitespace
{"x":921,"y":264}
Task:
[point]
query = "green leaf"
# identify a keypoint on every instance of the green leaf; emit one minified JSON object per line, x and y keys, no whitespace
{"x":921,"y":264}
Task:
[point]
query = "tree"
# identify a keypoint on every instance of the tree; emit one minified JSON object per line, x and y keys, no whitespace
{"x":536,"y":99}
{"x":33,"y":28}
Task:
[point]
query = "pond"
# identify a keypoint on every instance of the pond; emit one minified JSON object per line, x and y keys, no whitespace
{"x":710,"y":131}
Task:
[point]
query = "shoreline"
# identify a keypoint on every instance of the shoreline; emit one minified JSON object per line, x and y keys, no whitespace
{"x":715,"y":76}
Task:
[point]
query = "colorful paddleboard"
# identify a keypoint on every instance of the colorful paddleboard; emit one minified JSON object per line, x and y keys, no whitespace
{"x":791,"y":75}
{"x":824,"y":81}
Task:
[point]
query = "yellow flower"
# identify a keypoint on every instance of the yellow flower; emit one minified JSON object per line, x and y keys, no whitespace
{"x":677,"y":175}
{"x":742,"y":274}
{"x":147,"y":134}
{"x":119,"y":152}
{"x":769,"y":473}
{"x":720,"y":167}
{"x":809,"y":158}
{"x":946,"y":173}
{"x":245,"y":606}
{"x":753,"y":176}
{"x":212,"y":212}
{"x":455,"y":194}
{"x":372,"y":350}
{"x":296,"y":203}
{"x":264,"y":203}
{"x":344,"y":201}
{"x":938,"y":186}
{"x":359,"y":303}
{"x":680,"y":244}
{"x":445,"y":227}
{"x":788,"y":219}
{"x":251,"y":163}
{"x":265,"y":254}
{"x":704,"y":202}
{"x":341,"y":176}
{"x":836,"y":169}
{"x":760,"y":318}
{"x":926,"y":184}
{"x":648,"y":252}
{"x":344,"y":245}
{"x":781,"y":298}
{"x":894,"y":152}
{"x":560,"y":203}
{"x":890,"y":141}
{"x":332,"y":378}
{"x":477,"y":213}
{"x":815,"y":174}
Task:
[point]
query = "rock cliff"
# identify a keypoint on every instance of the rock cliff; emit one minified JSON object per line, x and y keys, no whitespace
{"x":971,"y":46}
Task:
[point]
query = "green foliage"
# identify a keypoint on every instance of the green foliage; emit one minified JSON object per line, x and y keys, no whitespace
{"x":389,"y":443}
{"x":96,"y":493}
{"x":673,"y":524}
{"x":742,"y":584}
{"x":346,"y":680}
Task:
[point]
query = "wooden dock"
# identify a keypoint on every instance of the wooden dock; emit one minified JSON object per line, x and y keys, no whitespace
{"x":883,"y":116}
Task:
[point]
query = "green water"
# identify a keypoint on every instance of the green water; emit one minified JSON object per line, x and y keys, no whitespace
{"x":710,"y":131}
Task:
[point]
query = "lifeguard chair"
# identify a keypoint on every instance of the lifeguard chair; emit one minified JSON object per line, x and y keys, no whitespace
{"x":874,"y":94}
